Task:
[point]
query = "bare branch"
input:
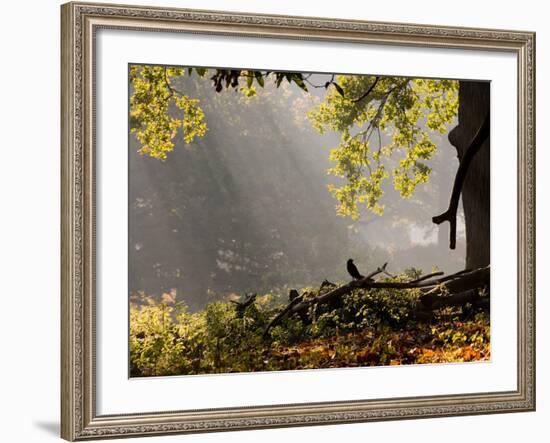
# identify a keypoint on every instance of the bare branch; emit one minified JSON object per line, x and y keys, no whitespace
{"x":325,"y":85}
{"x":170,"y":87}
{"x":426,"y":277}
{"x":368,"y":90}
{"x":475,"y":145}
{"x":379,"y":270}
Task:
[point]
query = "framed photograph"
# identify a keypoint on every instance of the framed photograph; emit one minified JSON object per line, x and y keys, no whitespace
{"x":283,"y":221}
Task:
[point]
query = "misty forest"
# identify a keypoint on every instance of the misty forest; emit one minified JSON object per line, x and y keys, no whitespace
{"x":284,"y":220}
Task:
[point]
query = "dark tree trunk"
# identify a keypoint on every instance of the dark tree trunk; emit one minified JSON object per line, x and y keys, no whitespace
{"x":474,"y":106}
{"x":443,"y":231}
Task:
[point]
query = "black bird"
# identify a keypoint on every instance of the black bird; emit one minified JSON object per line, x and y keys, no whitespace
{"x":353,"y":271}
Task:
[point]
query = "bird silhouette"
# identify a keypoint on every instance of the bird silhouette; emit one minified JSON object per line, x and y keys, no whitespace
{"x":353,"y":271}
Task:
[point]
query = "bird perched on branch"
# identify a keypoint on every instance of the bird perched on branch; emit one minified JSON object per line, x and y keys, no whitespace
{"x":353,"y":271}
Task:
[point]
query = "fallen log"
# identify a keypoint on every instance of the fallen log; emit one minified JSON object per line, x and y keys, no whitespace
{"x":436,"y":301}
{"x":431,"y":302}
{"x":438,"y":290}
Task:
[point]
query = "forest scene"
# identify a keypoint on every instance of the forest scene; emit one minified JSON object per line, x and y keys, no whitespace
{"x":288,"y":220}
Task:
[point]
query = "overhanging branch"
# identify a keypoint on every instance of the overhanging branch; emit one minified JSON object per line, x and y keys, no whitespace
{"x":475,"y":145}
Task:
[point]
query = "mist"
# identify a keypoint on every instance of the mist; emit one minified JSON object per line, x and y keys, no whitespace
{"x":246,"y":208}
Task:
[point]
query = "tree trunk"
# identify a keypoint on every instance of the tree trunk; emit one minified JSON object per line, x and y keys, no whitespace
{"x":474,"y":106}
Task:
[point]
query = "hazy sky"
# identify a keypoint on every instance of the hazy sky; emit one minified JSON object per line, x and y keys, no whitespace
{"x":246,"y":209}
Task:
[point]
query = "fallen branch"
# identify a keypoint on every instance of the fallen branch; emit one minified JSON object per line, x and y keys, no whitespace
{"x":379,"y":270}
{"x":240,"y":307}
{"x":455,"y":283}
{"x":279,"y":317}
{"x":426,"y":277}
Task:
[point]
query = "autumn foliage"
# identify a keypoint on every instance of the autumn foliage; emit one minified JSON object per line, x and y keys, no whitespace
{"x":367,"y":328}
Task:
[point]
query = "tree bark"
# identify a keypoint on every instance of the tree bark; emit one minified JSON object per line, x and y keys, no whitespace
{"x":474,"y":106}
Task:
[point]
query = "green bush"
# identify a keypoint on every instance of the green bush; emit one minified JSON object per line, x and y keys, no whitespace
{"x":365,"y":327}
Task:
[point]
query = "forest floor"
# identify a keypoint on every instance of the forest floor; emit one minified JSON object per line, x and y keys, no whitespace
{"x":452,"y":341}
{"x":368,"y":328}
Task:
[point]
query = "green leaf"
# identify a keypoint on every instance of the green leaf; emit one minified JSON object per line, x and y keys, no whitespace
{"x":259,"y":78}
{"x":300,"y":82}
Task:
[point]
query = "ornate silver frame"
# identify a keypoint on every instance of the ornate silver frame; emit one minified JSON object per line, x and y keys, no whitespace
{"x":79,"y":420}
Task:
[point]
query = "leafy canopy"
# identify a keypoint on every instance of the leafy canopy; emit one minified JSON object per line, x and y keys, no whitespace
{"x":150,"y":103}
{"x":406,"y":111}
{"x":386,"y":124}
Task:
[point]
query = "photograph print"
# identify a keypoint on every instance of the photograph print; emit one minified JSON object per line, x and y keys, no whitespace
{"x":295,"y":220}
